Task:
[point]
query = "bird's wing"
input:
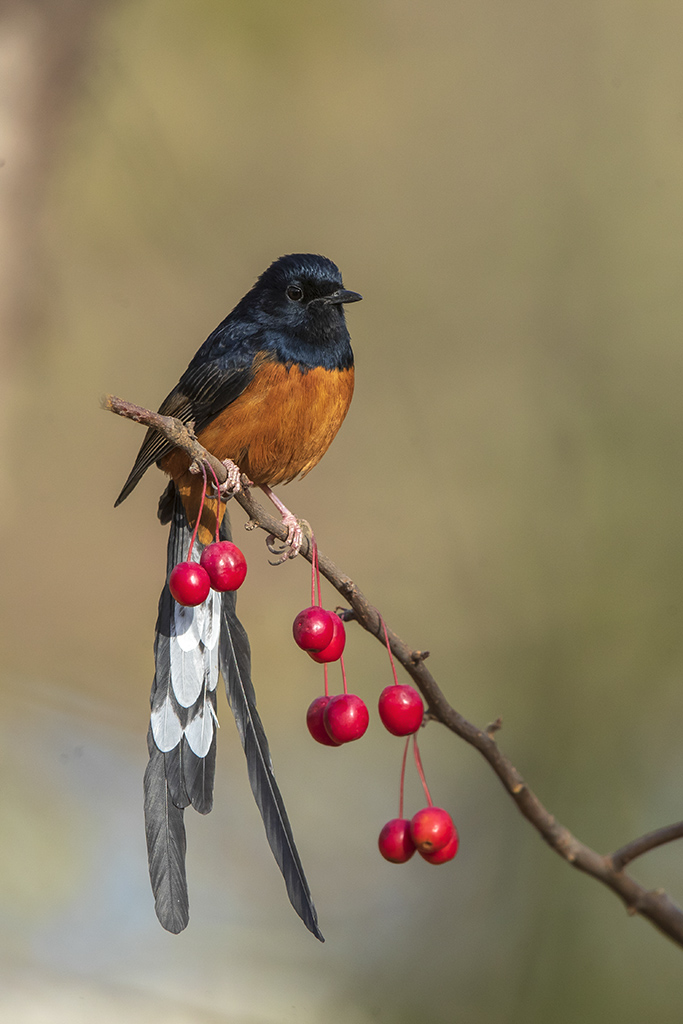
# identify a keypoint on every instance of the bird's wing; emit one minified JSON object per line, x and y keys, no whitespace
{"x":202,"y":392}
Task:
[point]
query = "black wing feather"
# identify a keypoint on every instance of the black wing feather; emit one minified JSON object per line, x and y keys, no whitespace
{"x":198,"y":774}
{"x":174,"y":769}
{"x":203,"y":391}
{"x":165,"y":833}
{"x":235,"y":664}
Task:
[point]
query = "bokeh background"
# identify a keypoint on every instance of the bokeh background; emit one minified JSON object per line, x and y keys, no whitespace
{"x":503,"y":184}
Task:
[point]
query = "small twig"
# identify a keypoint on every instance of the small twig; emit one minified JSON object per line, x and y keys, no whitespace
{"x":645,"y":843}
{"x":181,"y":434}
{"x":654,"y":905}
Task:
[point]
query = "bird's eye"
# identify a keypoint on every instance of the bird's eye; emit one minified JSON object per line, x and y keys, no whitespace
{"x":295,"y":293}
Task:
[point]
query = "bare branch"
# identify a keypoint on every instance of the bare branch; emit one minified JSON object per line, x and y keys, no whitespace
{"x":654,"y":905}
{"x":645,"y":843}
{"x":181,"y":434}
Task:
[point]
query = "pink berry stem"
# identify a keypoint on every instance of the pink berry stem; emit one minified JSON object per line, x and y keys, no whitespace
{"x":391,"y":657}
{"x":327,"y":682}
{"x":317,"y":566}
{"x":218,"y":503}
{"x":420,"y":770}
{"x":313,"y":560}
{"x":199,"y":514}
{"x":403,"y":778}
{"x":341,"y":662}
{"x":315,"y":571}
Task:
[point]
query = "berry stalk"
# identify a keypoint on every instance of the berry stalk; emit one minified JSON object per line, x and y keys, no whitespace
{"x":420,"y":771}
{"x":199,"y":514}
{"x":391,"y":657}
{"x":403,"y":778}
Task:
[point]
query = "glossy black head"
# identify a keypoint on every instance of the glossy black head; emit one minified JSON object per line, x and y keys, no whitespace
{"x":294,"y":282}
{"x":295,"y":310}
{"x":298,"y":304}
{"x":299,"y":284}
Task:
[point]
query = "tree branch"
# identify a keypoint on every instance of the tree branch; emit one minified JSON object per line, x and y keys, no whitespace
{"x":654,"y":905}
{"x":645,"y":843}
{"x":181,"y":434}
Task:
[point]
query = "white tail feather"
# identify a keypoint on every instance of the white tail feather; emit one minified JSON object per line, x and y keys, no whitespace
{"x":186,"y":626}
{"x":210,"y":633}
{"x":166,"y":727}
{"x":187,"y":672}
{"x":212,"y":681}
{"x":199,"y":733}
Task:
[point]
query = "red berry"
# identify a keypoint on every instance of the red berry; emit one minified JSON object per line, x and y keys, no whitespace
{"x":225,"y":564}
{"x":189,"y":583}
{"x":431,"y":828}
{"x":346,"y":717}
{"x":334,"y":649}
{"x":395,"y":843}
{"x":446,"y":852}
{"x":316,"y":726}
{"x":401,"y":710}
{"x":313,"y":628}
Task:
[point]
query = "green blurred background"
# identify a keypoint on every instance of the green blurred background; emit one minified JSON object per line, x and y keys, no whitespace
{"x":503,"y":184}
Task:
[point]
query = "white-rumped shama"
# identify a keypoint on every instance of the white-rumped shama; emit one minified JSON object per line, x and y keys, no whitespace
{"x":268,"y":390}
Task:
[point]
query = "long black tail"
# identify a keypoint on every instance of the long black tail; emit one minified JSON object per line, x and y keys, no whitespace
{"x":190,"y":645}
{"x":234,"y":658}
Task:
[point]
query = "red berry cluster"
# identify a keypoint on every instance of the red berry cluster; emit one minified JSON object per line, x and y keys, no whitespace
{"x":344,"y":717}
{"x":320,"y":633}
{"x":336,"y":720}
{"x":431,"y":831}
{"x":222,"y":565}
{"x":340,"y":719}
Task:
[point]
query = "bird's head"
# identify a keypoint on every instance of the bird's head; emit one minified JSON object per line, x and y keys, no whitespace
{"x":303,"y":292}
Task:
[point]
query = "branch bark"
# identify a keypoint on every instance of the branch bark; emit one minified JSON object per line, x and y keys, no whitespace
{"x":654,"y":905}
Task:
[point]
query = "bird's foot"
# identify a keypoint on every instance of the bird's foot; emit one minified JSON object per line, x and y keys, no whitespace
{"x":233,"y":485}
{"x":290,"y":547}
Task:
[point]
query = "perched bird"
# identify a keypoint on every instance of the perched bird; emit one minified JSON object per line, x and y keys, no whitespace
{"x":267,"y":393}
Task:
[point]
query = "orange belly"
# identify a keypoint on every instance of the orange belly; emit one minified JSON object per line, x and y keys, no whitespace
{"x":283,"y":423}
{"x":279,"y":428}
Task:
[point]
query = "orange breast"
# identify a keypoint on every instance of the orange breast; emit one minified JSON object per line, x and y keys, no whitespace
{"x":283,"y":423}
{"x":279,"y":428}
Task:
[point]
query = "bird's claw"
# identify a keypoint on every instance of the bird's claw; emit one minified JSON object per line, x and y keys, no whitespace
{"x":233,"y":485}
{"x":290,"y":547}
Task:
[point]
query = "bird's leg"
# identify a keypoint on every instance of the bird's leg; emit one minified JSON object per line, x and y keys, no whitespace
{"x":292,"y":544}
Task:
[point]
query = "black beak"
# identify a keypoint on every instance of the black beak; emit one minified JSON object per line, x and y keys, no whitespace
{"x":342,"y":295}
